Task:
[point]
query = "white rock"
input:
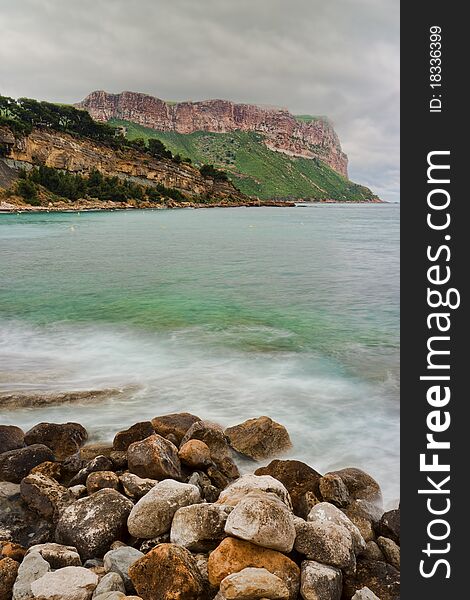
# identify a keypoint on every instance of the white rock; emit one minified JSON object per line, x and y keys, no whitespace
{"x":153,"y":513}
{"x":58,"y":555}
{"x":365,"y":594}
{"x":263,"y":520}
{"x":33,"y":567}
{"x":69,"y":583}
{"x":199,"y":527}
{"x":111,"y":582}
{"x":245,"y":484}
{"x":326,"y":512}
{"x":253,"y":584}
{"x":119,"y":560}
{"x":320,"y":582}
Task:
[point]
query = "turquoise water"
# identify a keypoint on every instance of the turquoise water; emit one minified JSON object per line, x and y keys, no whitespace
{"x":226,"y":313}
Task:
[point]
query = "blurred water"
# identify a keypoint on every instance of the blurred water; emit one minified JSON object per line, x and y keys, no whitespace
{"x":227,"y":313}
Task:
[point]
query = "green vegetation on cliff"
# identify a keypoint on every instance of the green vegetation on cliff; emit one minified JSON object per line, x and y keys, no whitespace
{"x":253,"y":168}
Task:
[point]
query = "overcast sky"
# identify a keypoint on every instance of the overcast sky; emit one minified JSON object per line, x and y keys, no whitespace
{"x":338,"y":58}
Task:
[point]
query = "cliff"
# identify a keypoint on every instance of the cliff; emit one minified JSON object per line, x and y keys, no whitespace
{"x":280,"y":130}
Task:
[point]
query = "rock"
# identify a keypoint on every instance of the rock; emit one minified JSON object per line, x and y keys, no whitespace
{"x":119,"y":561}
{"x":381,"y":578}
{"x":247,"y":484}
{"x":389,"y":525}
{"x":136,"y":433}
{"x":45,"y":496}
{"x":100,"y":480}
{"x":8,"y":573}
{"x":253,"y":584}
{"x":199,"y":527}
{"x":63,"y":439}
{"x":69,"y":583}
{"x":78,"y":491}
{"x":390,"y":550}
{"x":365,"y":517}
{"x":119,"y":459}
{"x":155,"y":458}
{"x":327,"y":543}
{"x":372,"y":552}
{"x":365,"y":594}
{"x":213,"y":436}
{"x":325,"y":512}
{"x":72,"y":465}
{"x":264,"y":521}
{"x":150,"y":544}
{"x":91,"y":451}
{"x":360,"y":485}
{"x":94,"y":564}
{"x":167,"y":572}
{"x":18,"y":524}
{"x":57,"y":555}
{"x":320,"y":582}
{"x":11,"y":438}
{"x":208,"y":491}
{"x":11,"y":550}
{"x":217,"y":478}
{"x":16,"y":464}
{"x":195,"y":454}
{"x":33,"y":567}
{"x":49,"y":469}
{"x":91,"y":524}
{"x":232,"y":555}
{"x":259,"y":438}
{"x":134,"y":486}
{"x":300,"y":480}
{"x":152,"y":515}
{"x":175,"y":424}
{"x":99,"y":463}
{"x":111,"y":582}
{"x":116,"y":595}
{"x":334,"y":490}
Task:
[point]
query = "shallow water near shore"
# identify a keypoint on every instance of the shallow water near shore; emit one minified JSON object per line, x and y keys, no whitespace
{"x":225,"y":313}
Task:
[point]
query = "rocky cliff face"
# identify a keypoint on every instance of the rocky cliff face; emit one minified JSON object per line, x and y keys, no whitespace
{"x":281,"y":131}
{"x":80,"y":155}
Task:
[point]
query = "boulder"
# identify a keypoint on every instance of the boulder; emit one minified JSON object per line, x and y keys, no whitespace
{"x":381,"y":578}
{"x":259,"y":438}
{"x":334,"y":490}
{"x":174,"y":424}
{"x":45,"y":496}
{"x":99,"y":480}
{"x":49,"y":469}
{"x":325,"y":512}
{"x":114,"y":595}
{"x":390,"y":550}
{"x":320,"y":582}
{"x":91,"y":524}
{"x":247,"y":484}
{"x":119,"y":561}
{"x":360,"y":485}
{"x":33,"y":567}
{"x":167,"y":572}
{"x":8,"y":573}
{"x":327,"y":543}
{"x":253,"y":584}
{"x":111,"y":582}
{"x":136,"y":433}
{"x":199,"y":527}
{"x":119,"y":459}
{"x":16,"y":464}
{"x":195,"y":454}
{"x":57,"y":555}
{"x":11,"y":438}
{"x":64,"y":439}
{"x":134,"y":486}
{"x":365,"y":594}
{"x":99,"y":463}
{"x":365,"y":517}
{"x":372,"y":552}
{"x":150,"y":544}
{"x":389,"y":525}
{"x":12,"y":550}
{"x":208,"y":491}
{"x":68,"y":583}
{"x":232,"y":555}
{"x":155,"y":458}
{"x":263,"y":520}
{"x":78,"y":491}
{"x":91,"y":451}
{"x":300,"y":480}
{"x":213,"y":436}
{"x":153,"y":513}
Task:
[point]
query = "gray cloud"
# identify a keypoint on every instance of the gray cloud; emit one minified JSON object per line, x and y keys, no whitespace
{"x":338,"y":58}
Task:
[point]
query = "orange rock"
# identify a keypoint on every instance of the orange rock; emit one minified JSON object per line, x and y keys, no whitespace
{"x":232,"y":555}
{"x":12,"y":550}
{"x":196,"y":454}
{"x":8,"y":572}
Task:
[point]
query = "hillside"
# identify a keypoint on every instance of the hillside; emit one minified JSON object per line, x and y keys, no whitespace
{"x":253,"y":167}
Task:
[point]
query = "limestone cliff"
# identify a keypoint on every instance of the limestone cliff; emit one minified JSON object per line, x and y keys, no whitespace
{"x":281,"y":130}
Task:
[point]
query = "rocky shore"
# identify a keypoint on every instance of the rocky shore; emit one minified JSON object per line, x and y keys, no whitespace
{"x":162,"y":513}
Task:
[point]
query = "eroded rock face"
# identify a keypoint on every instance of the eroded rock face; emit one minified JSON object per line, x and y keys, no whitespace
{"x":91,"y":524}
{"x":100,"y":480}
{"x":281,"y":130}
{"x":199,"y":527}
{"x":154,"y":458}
{"x":253,"y":584}
{"x":64,"y":439}
{"x":167,"y":571}
{"x":153,"y":513}
{"x":16,"y":464}
{"x":320,"y":582}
